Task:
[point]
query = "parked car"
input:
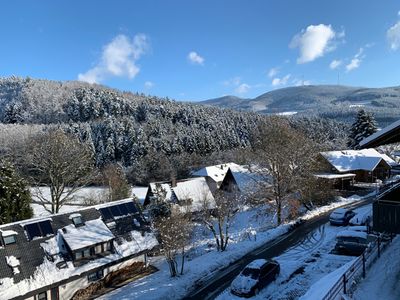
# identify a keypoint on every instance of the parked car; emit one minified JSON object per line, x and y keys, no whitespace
{"x":341,"y":216}
{"x":353,"y":242}
{"x":363,"y":218}
{"x":254,"y":277}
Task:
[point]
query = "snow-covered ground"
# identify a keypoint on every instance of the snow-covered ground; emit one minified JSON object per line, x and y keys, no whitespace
{"x":84,"y":197}
{"x":251,"y":229}
{"x":382,"y":280}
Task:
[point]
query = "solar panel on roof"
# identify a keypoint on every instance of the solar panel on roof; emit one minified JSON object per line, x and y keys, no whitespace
{"x":123,"y":209}
{"x":131,"y":207}
{"x":46,"y":228}
{"x":105,"y":212}
{"x":115,"y":211}
{"x":33,"y":230}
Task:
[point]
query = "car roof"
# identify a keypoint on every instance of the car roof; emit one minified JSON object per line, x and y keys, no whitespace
{"x":341,"y":210}
{"x":352,"y":233}
{"x":257,"y":264}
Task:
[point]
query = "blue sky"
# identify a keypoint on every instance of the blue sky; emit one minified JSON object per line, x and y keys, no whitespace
{"x":196,"y":50}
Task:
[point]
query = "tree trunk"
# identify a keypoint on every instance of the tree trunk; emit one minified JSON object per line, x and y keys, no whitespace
{"x":279,"y":211}
{"x":183,"y":260}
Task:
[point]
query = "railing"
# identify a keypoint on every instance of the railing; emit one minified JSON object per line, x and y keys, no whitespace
{"x":356,"y":270}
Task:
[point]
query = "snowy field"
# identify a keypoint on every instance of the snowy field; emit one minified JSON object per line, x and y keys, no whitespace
{"x":204,"y":261}
{"x":305,"y":264}
{"x":80,"y":199}
{"x":382,"y":280}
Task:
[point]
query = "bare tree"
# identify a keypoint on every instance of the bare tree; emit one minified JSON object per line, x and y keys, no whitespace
{"x":174,"y":228}
{"x":61,"y":162}
{"x":288,"y":158}
{"x":218,"y":218}
{"x":174,"y":232}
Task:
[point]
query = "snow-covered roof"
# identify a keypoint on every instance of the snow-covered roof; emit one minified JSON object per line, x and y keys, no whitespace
{"x":13,"y":262}
{"x":256,"y":264}
{"x":74,"y":215}
{"x":216,"y":172}
{"x":245,"y":179}
{"x":154,"y":186}
{"x":197,"y":190}
{"x":28,"y":277}
{"x":8,"y":232}
{"x":335,"y":176}
{"x":352,"y":233}
{"x":93,"y":232}
{"x":350,"y":160}
{"x":380,"y":133}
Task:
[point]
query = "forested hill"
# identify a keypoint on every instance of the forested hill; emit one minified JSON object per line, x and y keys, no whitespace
{"x":123,"y":127}
{"x":331,"y":101}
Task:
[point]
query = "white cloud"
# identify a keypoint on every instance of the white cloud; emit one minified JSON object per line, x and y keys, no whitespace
{"x":354,"y":64}
{"x":118,"y":58}
{"x":335,"y":64}
{"x":195,"y":58}
{"x":356,"y":60}
{"x":148,"y":85}
{"x":281,"y":81}
{"x":314,"y":42}
{"x":272,"y":72}
{"x":393,"y":36}
{"x":300,"y":82}
{"x":242,"y":88}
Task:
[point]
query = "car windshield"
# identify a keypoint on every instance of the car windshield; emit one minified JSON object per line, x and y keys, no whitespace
{"x":253,"y":273}
{"x":338,"y":214}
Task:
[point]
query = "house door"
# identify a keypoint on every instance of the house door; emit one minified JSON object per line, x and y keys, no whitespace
{"x":54,"y":294}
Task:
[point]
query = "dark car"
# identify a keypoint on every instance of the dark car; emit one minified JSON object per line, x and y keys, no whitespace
{"x":341,"y":216}
{"x":353,"y":242}
{"x":254,"y":277}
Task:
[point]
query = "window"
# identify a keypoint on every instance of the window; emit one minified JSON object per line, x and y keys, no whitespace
{"x":107,"y":246}
{"x":98,"y":249}
{"x":86,"y":253}
{"x":8,"y":240}
{"x":42,"y":296}
{"x":77,"y":221}
{"x":78,"y":255}
{"x":96,"y":275}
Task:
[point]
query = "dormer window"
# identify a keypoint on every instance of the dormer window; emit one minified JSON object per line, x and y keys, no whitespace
{"x":8,"y":240}
{"x":77,"y":220}
{"x":9,"y":237}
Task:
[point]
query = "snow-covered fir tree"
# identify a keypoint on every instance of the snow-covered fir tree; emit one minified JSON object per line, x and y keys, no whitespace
{"x":15,"y":198}
{"x":364,"y":126}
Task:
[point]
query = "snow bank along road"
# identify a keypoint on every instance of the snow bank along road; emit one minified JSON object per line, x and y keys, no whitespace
{"x":304,"y":255}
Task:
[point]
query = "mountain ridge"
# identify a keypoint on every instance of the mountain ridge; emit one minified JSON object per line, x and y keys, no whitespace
{"x":324,"y":100}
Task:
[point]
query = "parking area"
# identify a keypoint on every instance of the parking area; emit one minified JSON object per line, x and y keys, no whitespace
{"x":303,"y":265}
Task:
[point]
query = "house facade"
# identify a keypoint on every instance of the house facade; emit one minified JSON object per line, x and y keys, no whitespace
{"x":368,"y":165}
{"x":53,"y":257}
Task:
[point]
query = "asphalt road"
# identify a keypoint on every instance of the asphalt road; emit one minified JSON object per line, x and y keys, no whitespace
{"x":209,"y":288}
